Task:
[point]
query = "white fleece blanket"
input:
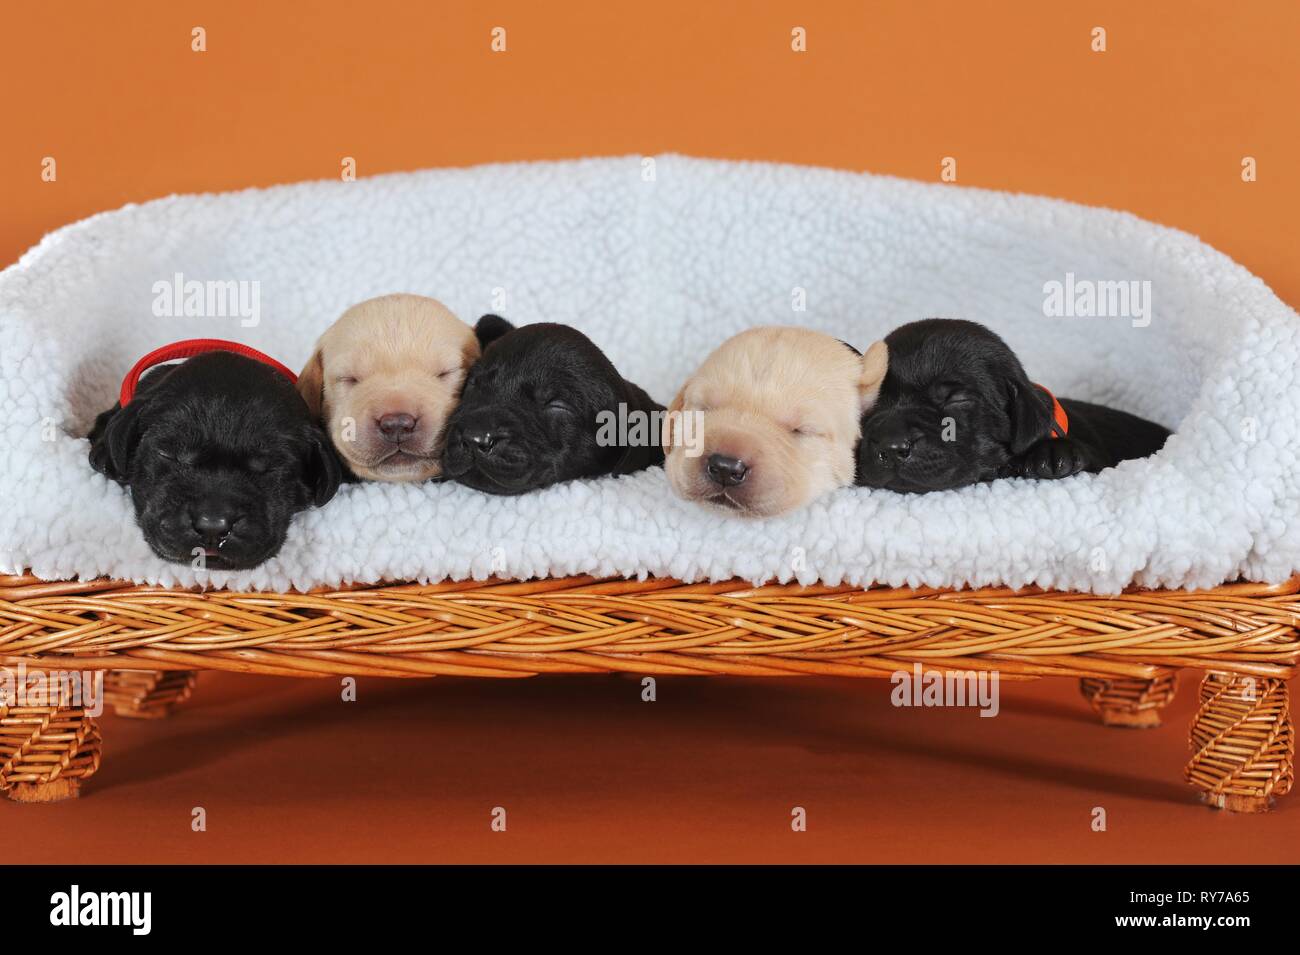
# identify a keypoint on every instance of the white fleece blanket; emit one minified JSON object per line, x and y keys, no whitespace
{"x":659,"y":262}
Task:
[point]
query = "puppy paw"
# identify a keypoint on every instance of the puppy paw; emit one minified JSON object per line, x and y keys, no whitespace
{"x":1051,"y":460}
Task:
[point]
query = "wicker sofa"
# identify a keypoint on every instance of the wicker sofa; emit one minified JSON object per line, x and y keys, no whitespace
{"x":1125,"y":650}
{"x":659,"y":268}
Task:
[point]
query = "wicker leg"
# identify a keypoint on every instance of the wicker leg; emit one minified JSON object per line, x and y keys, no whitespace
{"x":1243,"y":742}
{"x":46,"y":751}
{"x":1130,"y":703}
{"x":148,"y":694}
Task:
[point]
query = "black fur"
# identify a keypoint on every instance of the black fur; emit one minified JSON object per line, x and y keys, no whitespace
{"x":219,"y":436}
{"x":533,"y":400}
{"x":954,"y":376}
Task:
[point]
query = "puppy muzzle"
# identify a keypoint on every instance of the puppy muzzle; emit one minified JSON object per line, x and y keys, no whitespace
{"x":492,"y":453}
{"x":395,"y":445}
{"x":737,"y":476}
{"x":897,"y":454}
{"x":219,"y":532}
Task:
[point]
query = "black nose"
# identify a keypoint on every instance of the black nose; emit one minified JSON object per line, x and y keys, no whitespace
{"x":726,"y":471}
{"x":891,"y":447}
{"x":396,"y":427}
{"x":213,"y":527}
{"x":484,"y":441}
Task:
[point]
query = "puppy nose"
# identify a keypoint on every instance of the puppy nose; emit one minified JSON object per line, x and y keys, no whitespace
{"x":892,"y":446}
{"x":900,"y":448}
{"x":483,"y":440}
{"x":396,"y":426}
{"x":212,"y":527}
{"x":726,"y":471}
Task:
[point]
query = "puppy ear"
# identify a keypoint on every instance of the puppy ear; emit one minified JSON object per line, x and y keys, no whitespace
{"x":651,"y":453}
{"x":114,"y":437}
{"x":471,"y":351}
{"x":1030,"y":413}
{"x":874,"y":365}
{"x":322,"y":471}
{"x":673,"y":414}
{"x":490,"y":328}
{"x":311,"y":383}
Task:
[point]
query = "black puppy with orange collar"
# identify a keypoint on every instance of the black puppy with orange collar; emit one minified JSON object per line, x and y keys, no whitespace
{"x":957,"y":408}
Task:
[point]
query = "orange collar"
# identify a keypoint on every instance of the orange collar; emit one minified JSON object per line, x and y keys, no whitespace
{"x":1060,"y":420}
{"x":188,"y":349}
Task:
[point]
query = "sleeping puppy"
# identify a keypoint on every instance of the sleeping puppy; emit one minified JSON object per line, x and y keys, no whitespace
{"x":957,"y":408}
{"x":218,"y":453}
{"x":779,"y":411}
{"x":536,"y":410}
{"x":384,"y":378}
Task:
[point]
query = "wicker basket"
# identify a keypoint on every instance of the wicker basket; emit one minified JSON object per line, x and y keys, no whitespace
{"x":1125,"y":650}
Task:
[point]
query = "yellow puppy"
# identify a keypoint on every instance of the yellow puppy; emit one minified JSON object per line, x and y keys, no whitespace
{"x":777,"y":411}
{"x":383,"y":380}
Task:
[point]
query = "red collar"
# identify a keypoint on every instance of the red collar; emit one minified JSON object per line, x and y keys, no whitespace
{"x":1060,"y":420}
{"x":188,"y":349}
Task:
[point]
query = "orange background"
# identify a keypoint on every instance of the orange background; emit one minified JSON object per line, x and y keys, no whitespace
{"x":1158,"y":124}
{"x":587,"y":772}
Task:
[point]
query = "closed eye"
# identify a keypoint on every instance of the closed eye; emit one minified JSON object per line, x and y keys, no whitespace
{"x":447,"y":373}
{"x":952,"y":395}
{"x":345,"y":380}
{"x":559,"y":407}
{"x":178,"y":457}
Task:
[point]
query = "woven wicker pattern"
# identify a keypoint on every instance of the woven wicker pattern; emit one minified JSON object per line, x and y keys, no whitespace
{"x":45,"y":751}
{"x":1126,"y":649}
{"x":653,"y":626}
{"x":1123,"y":702}
{"x":1243,"y":741}
{"x":147,"y":694}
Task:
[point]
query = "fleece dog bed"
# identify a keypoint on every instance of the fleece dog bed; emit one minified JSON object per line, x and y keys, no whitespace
{"x":659,"y":272}
{"x":659,"y":262}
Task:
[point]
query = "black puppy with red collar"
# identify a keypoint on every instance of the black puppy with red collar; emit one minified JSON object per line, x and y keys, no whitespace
{"x":219,"y":452}
{"x":957,"y":408}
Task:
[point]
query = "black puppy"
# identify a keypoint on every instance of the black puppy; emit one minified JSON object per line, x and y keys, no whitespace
{"x":535,"y":411}
{"x":956,"y":408}
{"x":219,"y":452}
